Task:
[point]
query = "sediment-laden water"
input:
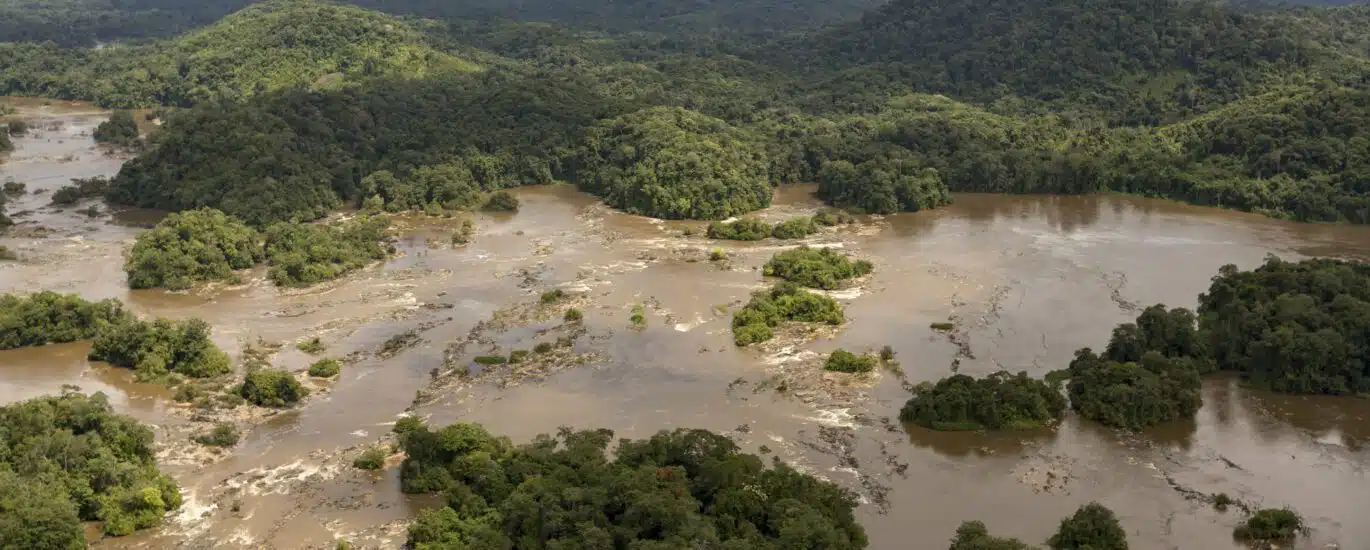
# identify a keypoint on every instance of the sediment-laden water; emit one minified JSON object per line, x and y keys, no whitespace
{"x":1027,"y":280}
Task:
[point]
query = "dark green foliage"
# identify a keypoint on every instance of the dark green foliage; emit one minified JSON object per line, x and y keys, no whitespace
{"x":50,"y":318}
{"x":1093,"y":527}
{"x":542,"y":347}
{"x":192,"y":246}
{"x":223,"y":435}
{"x":973,"y":535}
{"x":1000,"y":401}
{"x":830,"y":217}
{"x":119,"y":130}
{"x":785,"y":302}
{"x":162,"y":346}
{"x":942,"y":326}
{"x":69,"y":459}
{"x":573,"y":315}
{"x":17,"y":127}
{"x":399,"y":341}
{"x":552,"y":296}
{"x":87,"y":188}
{"x":675,"y":490}
{"x":325,"y":368}
{"x":272,"y":388}
{"x":15,"y":188}
{"x":6,"y":145}
{"x":1133,"y":395}
{"x":85,"y":22}
{"x":745,"y":229}
{"x":490,"y":359}
{"x":1270,"y":525}
{"x":501,"y":201}
{"x":794,"y":228}
{"x":373,"y":458}
{"x":882,"y":186}
{"x":1171,"y":333}
{"x":1299,"y":327}
{"x":841,"y":360}
{"x":407,"y":424}
{"x":676,"y":164}
{"x":886,"y":354}
{"x":443,"y":186}
{"x":1221,"y":502}
{"x":304,"y":254}
{"x":822,"y":268}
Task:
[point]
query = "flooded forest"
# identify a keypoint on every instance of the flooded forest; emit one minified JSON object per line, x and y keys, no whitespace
{"x":1022,"y":280}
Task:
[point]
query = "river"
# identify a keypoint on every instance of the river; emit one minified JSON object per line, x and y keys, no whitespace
{"x":1027,"y":279}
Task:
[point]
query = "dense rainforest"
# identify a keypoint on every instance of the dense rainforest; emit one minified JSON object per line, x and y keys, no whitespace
{"x":291,"y":105}
{"x":676,"y":489}
{"x":69,"y":459}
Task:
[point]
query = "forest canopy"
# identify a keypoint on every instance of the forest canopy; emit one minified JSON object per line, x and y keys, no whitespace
{"x":783,"y":303}
{"x":68,"y":459}
{"x":50,"y":318}
{"x":675,"y":489}
{"x":821,"y":268}
{"x":1000,"y":401}
{"x":160,"y":347}
{"x":189,"y":247}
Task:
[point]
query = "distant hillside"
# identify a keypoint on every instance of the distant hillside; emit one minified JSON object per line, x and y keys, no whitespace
{"x":1140,"y":62}
{"x":86,"y":22}
{"x":683,"y":17}
{"x":268,"y":46}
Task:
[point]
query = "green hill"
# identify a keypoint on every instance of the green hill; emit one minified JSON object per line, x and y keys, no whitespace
{"x":268,"y":46}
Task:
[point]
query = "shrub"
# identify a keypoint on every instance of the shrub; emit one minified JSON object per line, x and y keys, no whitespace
{"x":302,"y":254}
{"x":1093,"y":526}
{"x":573,"y":315}
{"x":832,"y":216}
{"x":886,"y":354}
{"x":518,"y":355}
{"x":50,"y":318}
{"x":162,"y":346}
{"x":18,"y":127}
{"x":717,"y":255}
{"x":785,"y":302}
{"x":272,"y":388}
{"x":943,"y":327}
{"x":999,"y":401}
{"x":1270,"y":525}
{"x":120,"y":129}
{"x":223,"y":435}
{"x":542,"y":347}
{"x":312,"y":346}
{"x":325,"y":368}
{"x":15,"y":188}
{"x":552,"y":296}
{"x":501,"y":201}
{"x":1153,"y":390}
{"x":745,"y":229}
{"x":639,"y":317}
{"x":841,"y":360}
{"x":400,"y":341}
{"x":371,"y":459}
{"x":407,"y":424}
{"x":794,"y":228}
{"x":490,"y":360}
{"x":192,"y":246}
{"x":815,"y":267}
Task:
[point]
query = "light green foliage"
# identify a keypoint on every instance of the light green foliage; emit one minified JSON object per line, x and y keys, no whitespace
{"x":542,"y":347}
{"x":518,"y":355}
{"x":50,"y":318}
{"x":744,"y":229}
{"x":266,"y":47}
{"x":1270,"y":525}
{"x":192,"y":246}
{"x":1133,"y":395}
{"x":1292,"y":326}
{"x":1092,"y":527}
{"x":1000,"y":401}
{"x":325,"y":368}
{"x":841,"y":360}
{"x":119,"y":130}
{"x":373,"y":458}
{"x":676,"y":164}
{"x":501,"y":201}
{"x":552,"y":296}
{"x":639,"y":317}
{"x":312,"y":346}
{"x":785,"y":302}
{"x":830,"y":217}
{"x":573,"y":315}
{"x":822,"y":268}
{"x":882,"y":186}
{"x":794,"y":228}
{"x":674,"y":490}
{"x":306,"y":254}
{"x":69,"y":459}
{"x":223,"y":435}
{"x":159,"y":347}
{"x":272,"y":388}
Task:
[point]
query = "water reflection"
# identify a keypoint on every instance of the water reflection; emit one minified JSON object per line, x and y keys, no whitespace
{"x":966,"y":443}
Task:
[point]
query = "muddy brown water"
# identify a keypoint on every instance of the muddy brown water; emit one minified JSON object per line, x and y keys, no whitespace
{"x":1028,"y":280}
